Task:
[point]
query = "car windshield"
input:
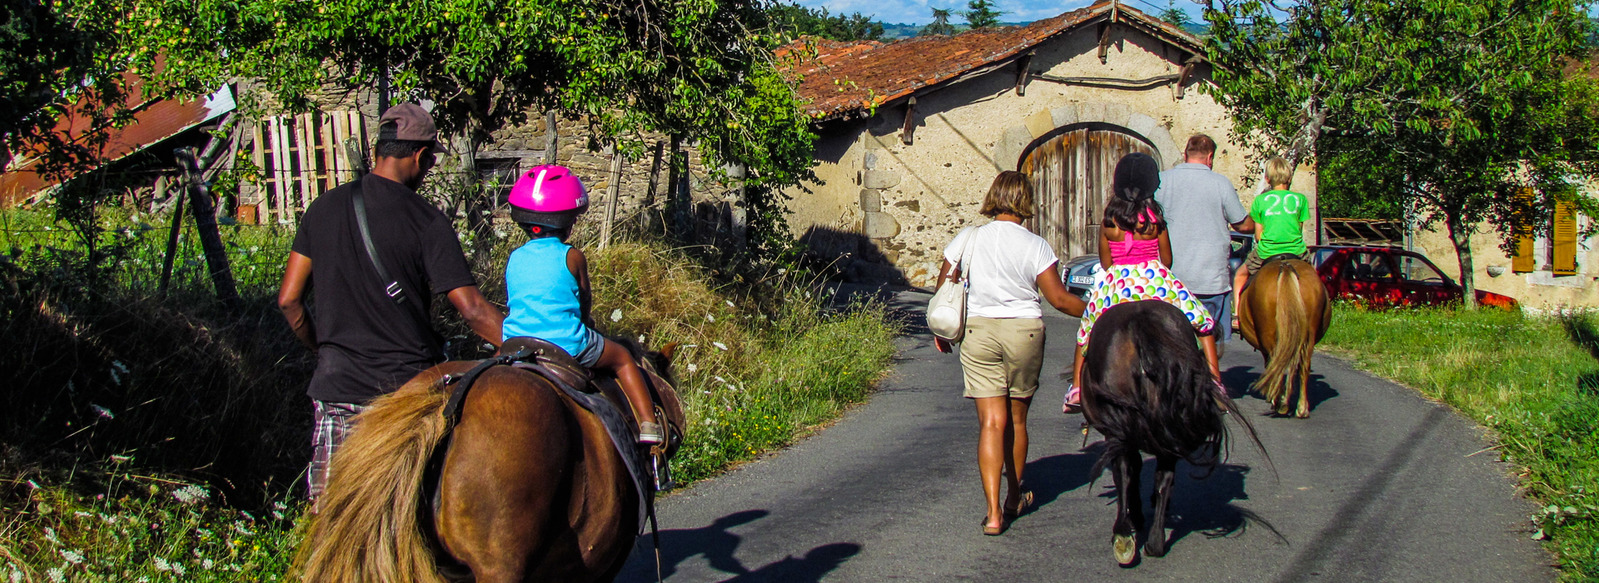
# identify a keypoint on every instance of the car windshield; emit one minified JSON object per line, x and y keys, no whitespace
{"x":1417,"y":270}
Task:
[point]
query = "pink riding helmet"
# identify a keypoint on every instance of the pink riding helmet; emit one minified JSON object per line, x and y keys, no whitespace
{"x":548,"y":196}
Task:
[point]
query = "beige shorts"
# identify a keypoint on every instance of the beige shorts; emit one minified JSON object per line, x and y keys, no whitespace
{"x":1002,"y":356}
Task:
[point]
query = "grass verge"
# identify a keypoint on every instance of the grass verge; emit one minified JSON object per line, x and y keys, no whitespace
{"x":1533,"y":381}
{"x":150,"y":438}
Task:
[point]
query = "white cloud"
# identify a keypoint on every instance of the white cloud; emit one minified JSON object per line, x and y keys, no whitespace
{"x":921,"y":11}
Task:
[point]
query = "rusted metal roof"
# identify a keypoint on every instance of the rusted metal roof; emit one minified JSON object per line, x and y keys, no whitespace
{"x":154,"y":121}
{"x":840,"y":79}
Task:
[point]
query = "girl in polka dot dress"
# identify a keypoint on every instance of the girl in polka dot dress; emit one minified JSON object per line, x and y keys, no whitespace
{"x":1135,"y":252}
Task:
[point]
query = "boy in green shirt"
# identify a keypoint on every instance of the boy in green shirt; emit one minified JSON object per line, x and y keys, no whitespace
{"x":1278,"y":214}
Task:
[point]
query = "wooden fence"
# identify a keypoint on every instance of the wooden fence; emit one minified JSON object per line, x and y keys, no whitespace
{"x":300,"y":157}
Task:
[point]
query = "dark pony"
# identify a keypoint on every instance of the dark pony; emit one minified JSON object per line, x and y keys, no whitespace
{"x":1146,"y":387}
{"x":1133,"y":186}
{"x":531,"y":486}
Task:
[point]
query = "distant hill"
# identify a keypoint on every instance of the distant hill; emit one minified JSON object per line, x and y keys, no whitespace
{"x":895,"y":31}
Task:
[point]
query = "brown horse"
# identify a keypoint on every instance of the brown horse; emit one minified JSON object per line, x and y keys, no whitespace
{"x":1283,"y":312}
{"x":531,"y":487}
{"x":1146,"y":387}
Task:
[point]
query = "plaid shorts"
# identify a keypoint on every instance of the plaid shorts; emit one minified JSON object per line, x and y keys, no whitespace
{"x":331,"y":422}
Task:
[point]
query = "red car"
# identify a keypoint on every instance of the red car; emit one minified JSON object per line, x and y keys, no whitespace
{"x":1385,"y":276}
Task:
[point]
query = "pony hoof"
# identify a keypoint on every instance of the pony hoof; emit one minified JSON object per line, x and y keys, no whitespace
{"x":1126,"y":548}
{"x":1154,"y":552}
{"x":1302,"y":414}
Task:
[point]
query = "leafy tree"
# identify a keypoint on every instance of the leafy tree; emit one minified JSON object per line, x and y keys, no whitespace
{"x":1451,"y":107}
{"x":54,"y":63}
{"x":1176,"y":15}
{"x":797,"y":20}
{"x":940,"y":24}
{"x":697,"y":69}
{"x":981,"y":14}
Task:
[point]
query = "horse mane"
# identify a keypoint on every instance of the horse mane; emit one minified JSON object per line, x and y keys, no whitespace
{"x":1167,"y":404}
{"x":366,"y":528}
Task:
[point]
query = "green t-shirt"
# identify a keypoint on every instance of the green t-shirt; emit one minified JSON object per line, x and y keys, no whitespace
{"x":1279,"y":214}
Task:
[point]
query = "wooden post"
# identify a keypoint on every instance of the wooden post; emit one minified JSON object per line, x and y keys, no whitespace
{"x":205,"y":223}
{"x":655,"y":176}
{"x":172,"y":237}
{"x":611,"y":194}
{"x":263,"y":210}
{"x":908,"y":132}
{"x":676,"y":167}
{"x":739,"y":214}
{"x":352,"y":149}
{"x":330,"y":146}
{"x":307,"y":174}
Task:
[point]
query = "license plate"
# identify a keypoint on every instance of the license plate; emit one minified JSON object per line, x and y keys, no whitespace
{"x":1083,"y":279}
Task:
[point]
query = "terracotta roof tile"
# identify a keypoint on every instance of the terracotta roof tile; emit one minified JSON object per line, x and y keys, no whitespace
{"x":837,"y":79}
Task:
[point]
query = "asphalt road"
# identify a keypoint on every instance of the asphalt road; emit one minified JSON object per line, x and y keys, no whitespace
{"x":1378,"y":485}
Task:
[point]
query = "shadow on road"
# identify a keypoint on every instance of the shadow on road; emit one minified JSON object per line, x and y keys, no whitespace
{"x":1240,"y":382}
{"x":719,"y":547}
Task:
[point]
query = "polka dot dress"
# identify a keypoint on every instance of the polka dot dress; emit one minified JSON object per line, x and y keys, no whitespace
{"x":1149,"y":280}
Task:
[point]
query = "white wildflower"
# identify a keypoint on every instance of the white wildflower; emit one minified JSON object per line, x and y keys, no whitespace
{"x":732,"y":387}
{"x":693,"y":367}
{"x":81,"y":514}
{"x":56,"y":574}
{"x":50,"y":535}
{"x":15,"y":576}
{"x":782,"y":270}
{"x":162,"y":565}
{"x":616,"y":315}
{"x":730,"y":303}
{"x":719,"y":345}
{"x":239,"y":528}
{"x":191,"y":494}
{"x":719,"y":379}
{"x":207,"y":563}
{"x":102,"y":411}
{"x":641,"y":339}
{"x":73,"y":557}
{"x":710,"y":317}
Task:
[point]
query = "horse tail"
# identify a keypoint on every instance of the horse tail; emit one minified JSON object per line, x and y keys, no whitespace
{"x":367,"y":528}
{"x":1294,"y":339}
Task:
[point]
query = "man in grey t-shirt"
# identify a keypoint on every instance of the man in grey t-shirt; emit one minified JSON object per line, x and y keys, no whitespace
{"x":1199,"y":206}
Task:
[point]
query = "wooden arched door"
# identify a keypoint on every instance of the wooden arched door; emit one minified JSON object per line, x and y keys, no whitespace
{"x":1071,"y":174}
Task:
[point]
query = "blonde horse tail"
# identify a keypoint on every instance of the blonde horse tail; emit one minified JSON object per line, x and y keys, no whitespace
{"x":367,"y":529}
{"x":1293,"y":343}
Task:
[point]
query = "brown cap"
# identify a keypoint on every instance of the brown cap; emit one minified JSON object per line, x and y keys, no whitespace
{"x":407,"y":121}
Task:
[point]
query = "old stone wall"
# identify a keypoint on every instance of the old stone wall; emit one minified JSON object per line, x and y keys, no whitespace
{"x":896,"y":205}
{"x":1539,"y":289}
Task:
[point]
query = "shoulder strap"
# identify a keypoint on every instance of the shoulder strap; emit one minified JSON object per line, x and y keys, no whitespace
{"x":393,"y":289}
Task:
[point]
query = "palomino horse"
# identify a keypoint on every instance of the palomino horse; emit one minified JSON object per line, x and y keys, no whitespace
{"x":1146,"y":387}
{"x":1283,"y":312}
{"x":531,"y":487}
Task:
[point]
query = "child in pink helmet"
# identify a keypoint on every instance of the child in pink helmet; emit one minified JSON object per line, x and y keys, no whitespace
{"x":547,"y":286}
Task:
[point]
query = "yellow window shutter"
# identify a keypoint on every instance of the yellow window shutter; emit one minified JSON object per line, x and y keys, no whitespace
{"x":1563,"y":241}
{"x":1522,"y":261}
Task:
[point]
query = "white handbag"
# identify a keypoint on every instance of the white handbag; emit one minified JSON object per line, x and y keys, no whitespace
{"x":946,"y":312}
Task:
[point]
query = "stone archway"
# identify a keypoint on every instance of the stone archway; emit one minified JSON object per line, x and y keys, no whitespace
{"x":1016,"y":139}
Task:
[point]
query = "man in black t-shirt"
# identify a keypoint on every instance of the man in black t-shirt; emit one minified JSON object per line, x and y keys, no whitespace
{"x":371,"y":337}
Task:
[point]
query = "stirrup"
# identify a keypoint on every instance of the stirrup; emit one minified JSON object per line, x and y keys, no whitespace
{"x":649,"y":433}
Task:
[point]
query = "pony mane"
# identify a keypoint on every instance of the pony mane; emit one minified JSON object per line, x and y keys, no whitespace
{"x":366,"y":526}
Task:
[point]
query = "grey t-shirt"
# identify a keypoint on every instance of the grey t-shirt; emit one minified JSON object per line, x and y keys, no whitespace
{"x":1200,"y":207}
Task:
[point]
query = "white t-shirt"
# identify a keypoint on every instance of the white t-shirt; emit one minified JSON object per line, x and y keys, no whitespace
{"x":1003,"y":262}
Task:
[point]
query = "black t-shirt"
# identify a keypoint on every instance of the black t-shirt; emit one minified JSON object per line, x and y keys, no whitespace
{"x":368,"y":344}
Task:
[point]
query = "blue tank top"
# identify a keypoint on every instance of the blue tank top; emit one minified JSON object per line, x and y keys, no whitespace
{"x":543,"y":296}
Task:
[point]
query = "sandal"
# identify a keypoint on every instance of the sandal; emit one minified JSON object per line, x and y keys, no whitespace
{"x":993,"y":530}
{"x":1023,"y":502}
{"x":1073,"y":403}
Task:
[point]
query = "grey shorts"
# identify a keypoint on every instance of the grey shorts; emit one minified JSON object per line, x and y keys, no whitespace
{"x":1002,"y":357}
{"x":1253,"y":262}
{"x":592,"y":350}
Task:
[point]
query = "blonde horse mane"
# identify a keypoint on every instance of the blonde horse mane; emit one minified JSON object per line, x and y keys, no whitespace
{"x":1294,"y":338}
{"x":366,"y":528}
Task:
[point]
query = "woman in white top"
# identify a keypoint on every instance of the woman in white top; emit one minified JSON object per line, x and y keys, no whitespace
{"x":1002,"y":352}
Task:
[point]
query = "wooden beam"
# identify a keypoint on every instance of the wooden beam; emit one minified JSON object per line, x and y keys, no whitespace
{"x":1104,"y":42}
{"x":908,"y":132}
{"x":1183,"y":76}
{"x":1023,"y":72}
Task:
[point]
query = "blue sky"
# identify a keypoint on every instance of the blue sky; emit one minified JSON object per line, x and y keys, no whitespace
{"x":920,"y":11}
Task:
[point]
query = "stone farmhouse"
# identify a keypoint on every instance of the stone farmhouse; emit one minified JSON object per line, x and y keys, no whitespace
{"x":912,"y":132}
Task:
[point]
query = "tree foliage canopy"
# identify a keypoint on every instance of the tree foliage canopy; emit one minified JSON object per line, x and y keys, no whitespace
{"x":981,"y":14}
{"x":940,"y":23}
{"x":56,"y":60}
{"x":797,"y":20}
{"x":699,"y":69}
{"x":1452,"y":106}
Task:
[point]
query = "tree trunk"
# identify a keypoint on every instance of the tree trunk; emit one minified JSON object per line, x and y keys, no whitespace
{"x":205,"y":223}
{"x":1460,"y":236}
